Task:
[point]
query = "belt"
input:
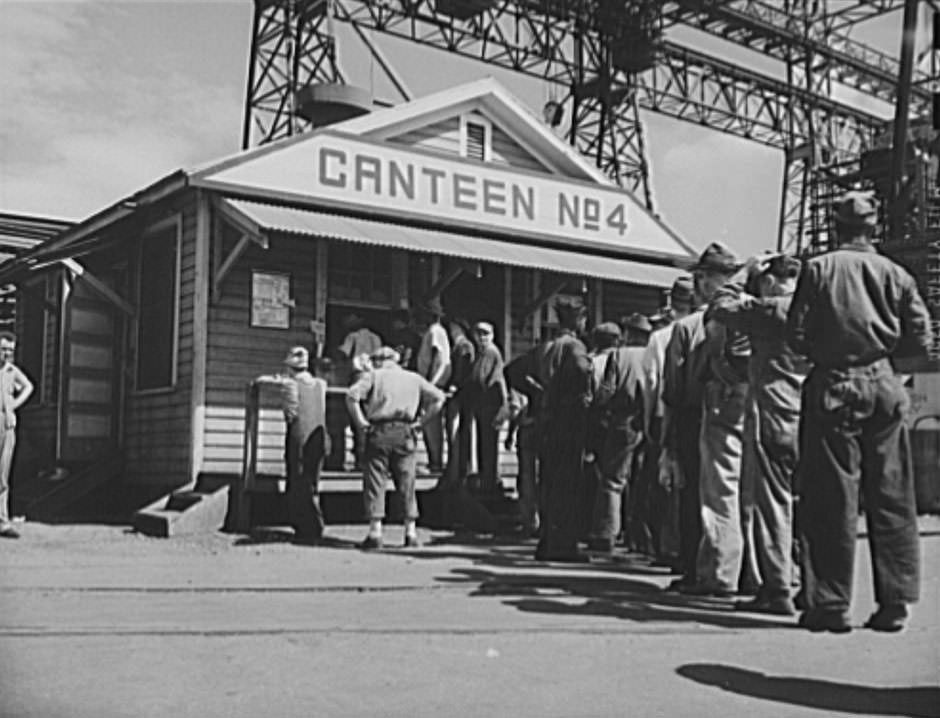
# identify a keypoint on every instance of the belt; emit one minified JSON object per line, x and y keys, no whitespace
{"x":385,"y":422}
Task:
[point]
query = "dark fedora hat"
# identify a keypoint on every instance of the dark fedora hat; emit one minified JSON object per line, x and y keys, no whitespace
{"x":683,"y":289}
{"x":716,"y":258}
{"x":637,"y":322}
{"x":569,"y":307}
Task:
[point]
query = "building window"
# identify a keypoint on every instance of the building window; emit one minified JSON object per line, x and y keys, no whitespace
{"x":158,"y":271}
{"x":360,"y":274}
{"x":475,"y":137}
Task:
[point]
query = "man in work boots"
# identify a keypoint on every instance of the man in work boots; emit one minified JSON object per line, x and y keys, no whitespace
{"x":684,"y":381}
{"x":566,"y":372}
{"x":853,"y":310}
{"x":304,"y":401}
{"x":620,"y":396}
{"x":756,"y":302}
{"x":389,"y":404}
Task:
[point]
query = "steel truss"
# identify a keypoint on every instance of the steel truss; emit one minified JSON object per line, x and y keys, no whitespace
{"x":562,"y":42}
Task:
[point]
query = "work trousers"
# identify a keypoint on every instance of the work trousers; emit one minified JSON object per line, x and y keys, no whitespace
{"x":527,"y":456}
{"x":561,"y":481}
{"x":718,"y":563}
{"x":458,"y":425}
{"x":487,"y":445}
{"x":662,"y":519}
{"x":434,"y":441}
{"x":855,"y":440}
{"x":390,"y":452}
{"x":303,"y":481}
{"x":767,"y":468}
{"x":615,"y":468}
{"x":7,"y":445}
{"x":688,"y":424}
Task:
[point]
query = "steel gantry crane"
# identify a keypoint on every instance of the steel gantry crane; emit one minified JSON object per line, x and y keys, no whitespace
{"x":611,"y":58}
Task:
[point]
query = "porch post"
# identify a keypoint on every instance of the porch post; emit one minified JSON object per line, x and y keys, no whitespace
{"x":200,"y":335}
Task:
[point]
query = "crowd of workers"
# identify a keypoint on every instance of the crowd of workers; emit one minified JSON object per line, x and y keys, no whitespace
{"x":726,"y":437}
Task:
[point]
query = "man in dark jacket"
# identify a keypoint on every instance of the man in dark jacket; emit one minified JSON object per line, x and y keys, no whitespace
{"x":853,"y":310}
{"x":486,"y":395}
{"x":304,"y":403}
{"x":566,"y":373}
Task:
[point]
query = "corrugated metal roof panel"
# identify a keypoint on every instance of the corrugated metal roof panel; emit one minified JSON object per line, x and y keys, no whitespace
{"x":354,"y":229}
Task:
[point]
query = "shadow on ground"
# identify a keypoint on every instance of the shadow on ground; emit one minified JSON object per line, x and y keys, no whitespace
{"x":917,"y":701}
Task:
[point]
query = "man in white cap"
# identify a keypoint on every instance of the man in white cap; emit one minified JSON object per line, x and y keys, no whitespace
{"x":388,"y":404}
{"x":304,"y":402}
{"x":853,"y":311}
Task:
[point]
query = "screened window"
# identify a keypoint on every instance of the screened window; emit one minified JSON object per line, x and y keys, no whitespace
{"x":360,"y":273}
{"x":156,"y":320}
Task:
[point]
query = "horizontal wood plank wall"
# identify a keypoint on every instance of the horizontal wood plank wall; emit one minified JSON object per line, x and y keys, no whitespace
{"x":157,"y":426}
{"x":621,"y":299}
{"x":443,"y":137}
{"x":507,"y":152}
{"x":237,"y":352}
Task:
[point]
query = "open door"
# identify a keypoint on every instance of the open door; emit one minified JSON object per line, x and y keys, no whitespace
{"x":89,"y":408}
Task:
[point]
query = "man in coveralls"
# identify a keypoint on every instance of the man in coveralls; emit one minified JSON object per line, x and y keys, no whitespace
{"x":388,"y":404}
{"x":852,"y":311}
{"x":304,"y":402}
{"x":684,"y":394}
{"x":566,"y":373}
{"x":620,"y":396}
{"x":775,"y":379}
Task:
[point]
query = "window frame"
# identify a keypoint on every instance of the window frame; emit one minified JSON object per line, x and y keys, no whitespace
{"x":177,"y":223}
{"x":475,"y":119}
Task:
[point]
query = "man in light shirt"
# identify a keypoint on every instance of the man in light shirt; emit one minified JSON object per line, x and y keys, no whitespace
{"x":15,"y":389}
{"x":434,"y":365}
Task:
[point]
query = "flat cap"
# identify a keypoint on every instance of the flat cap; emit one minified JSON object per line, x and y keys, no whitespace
{"x":608,"y":329}
{"x":638,"y":323}
{"x":385,"y":354}
{"x":297,"y":358}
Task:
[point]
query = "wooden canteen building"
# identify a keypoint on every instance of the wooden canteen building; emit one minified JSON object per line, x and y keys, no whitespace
{"x":146,"y":322}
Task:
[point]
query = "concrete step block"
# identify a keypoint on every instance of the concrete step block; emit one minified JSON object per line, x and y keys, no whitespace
{"x":184,"y":512}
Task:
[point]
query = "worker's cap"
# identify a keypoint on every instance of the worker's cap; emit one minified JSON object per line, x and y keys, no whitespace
{"x":383,"y":354}
{"x":637,"y":322}
{"x":682,"y":290}
{"x":483,"y":328}
{"x":717,"y":258}
{"x":569,"y":307}
{"x":856,"y":209}
{"x":297,"y":358}
{"x":608,"y":329}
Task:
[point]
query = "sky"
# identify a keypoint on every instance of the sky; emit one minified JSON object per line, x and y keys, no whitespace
{"x":100,"y":99}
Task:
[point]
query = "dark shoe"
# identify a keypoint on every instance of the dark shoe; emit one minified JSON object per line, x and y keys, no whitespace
{"x":10,"y":533}
{"x":781,"y":606}
{"x":889,"y":618}
{"x":820,"y":619}
{"x":600,"y":545}
{"x":412,"y":542}
{"x":371,"y":543}
{"x":678,"y":585}
{"x":704,"y":590}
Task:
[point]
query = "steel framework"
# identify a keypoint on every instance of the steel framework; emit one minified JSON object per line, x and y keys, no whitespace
{"x":571,"y":44}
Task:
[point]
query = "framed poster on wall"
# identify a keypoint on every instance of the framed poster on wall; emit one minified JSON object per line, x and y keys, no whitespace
{"x":270,"y":300}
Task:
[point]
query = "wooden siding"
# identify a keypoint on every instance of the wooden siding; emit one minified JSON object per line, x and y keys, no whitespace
{"x":621,"y":299}
{"x":442,"y":137}
{"x":508,"y":153}
{"x":238,"y":353}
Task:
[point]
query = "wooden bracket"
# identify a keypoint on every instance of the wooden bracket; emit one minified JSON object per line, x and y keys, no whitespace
{"x":226,"y":266}
{"x":542,"y":299}
{"x":449,"y":277}
{"x":77,"y":270}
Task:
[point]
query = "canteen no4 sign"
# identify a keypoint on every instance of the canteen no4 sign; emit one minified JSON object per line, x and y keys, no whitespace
{"x":348,"y":172}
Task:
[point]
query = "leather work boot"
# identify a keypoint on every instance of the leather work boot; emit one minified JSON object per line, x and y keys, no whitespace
{"x":821,"y":619}
{"x":889,"y":618}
